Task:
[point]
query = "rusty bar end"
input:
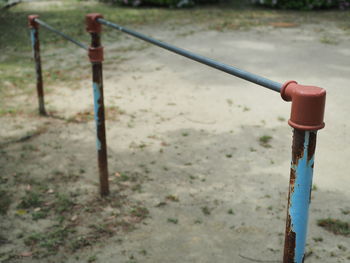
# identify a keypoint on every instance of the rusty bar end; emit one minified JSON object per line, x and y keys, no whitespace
{"x":31,"y":21}
{"x":92,"y":26}
{"x":308,"y":105}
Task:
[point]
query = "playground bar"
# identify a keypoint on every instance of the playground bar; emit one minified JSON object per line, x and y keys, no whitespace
{"x":61,"y":34}
{"x":201,"y":59}
{"x":96,"y":58}
{"x":34,"y":36}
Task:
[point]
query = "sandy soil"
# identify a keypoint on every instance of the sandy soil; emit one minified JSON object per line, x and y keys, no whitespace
{"x":187,"y":137}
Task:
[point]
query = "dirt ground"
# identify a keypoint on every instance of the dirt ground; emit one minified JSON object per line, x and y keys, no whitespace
{"x":191,"y":180}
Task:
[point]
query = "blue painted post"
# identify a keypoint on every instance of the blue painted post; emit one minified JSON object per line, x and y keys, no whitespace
{"x":96,"y":58}
{"x":34,"y":36}
{"x":308,"y":104}
{"x":300,"y":187}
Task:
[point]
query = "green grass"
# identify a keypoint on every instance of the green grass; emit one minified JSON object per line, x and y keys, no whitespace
{"x":265,"y":141}
{"x":335,"y":226}
{"x":5,"y":202}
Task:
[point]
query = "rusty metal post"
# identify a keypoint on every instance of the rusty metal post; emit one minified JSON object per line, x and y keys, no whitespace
{"x":307,"y":114}
{"x":34,"y":35}
{"x":96,"y":58}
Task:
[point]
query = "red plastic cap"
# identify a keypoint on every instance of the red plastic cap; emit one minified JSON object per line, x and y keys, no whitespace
{"x":92,"y":26}
{"x":96,"y":54}
{"x":31,"y":21}
{"x":308,"y":105}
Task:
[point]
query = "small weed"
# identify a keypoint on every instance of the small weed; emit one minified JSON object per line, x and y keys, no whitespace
{"x":246,"y":109}
{"x":79,"y":242}
{"x":345,"y":211}
{"x":265,"y":141}
{"x":172,"y":198}
{"x":137,"y":188}
{"x":251,"y":149}
{"x":280,"y":118}
{"x":40,"y":215}
{"x":185,"y":134}
{"x":318,"y":239}
{"x":173,"y":220}
{"x":335,"y":226}
{"x":140,"y":212}
{"x":63,"y":203}
{"x":228,"y":155}
{"x":341,"y":247}
{"x":198,"y":221}
{"x":50,"y":240}
{"x":192,"y":177}
{"x":124,"y":177}
{"x":328,"y":40}
{"x":5,"y":202}
{"x":314,"y":187}
{"x":31,"y":199}
{"x":92,"y":259}
{"x":230,"y":211}
{"x":229,"y":102}
{"x":205,"y":210}
{"x":143,"y":252}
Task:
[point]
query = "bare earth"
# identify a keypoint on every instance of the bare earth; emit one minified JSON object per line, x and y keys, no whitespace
{"x":186,"y":139}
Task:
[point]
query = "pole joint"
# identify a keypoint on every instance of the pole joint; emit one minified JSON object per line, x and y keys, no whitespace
{"x":92,"y":26}
{"x":308,"y":105}
{"x":31,"y":21}
{"x":95,"y":54}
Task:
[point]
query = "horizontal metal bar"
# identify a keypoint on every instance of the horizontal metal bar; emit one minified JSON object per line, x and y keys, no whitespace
{"x":201,"y":59}
{"x":61,"y":34}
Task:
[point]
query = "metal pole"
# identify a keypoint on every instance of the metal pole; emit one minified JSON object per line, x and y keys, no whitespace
{"x":275,"y":86}
{"x":301,"y":172}
{"x":96,"y":58}
{"x":34,"y":35}
{"x":307,"y":113}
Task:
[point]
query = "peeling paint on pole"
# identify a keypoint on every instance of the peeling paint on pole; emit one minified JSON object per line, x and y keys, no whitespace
{"x":303,"y":150}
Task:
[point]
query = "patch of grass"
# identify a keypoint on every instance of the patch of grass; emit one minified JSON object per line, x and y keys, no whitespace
{"x":31,"y":199}
{"x":173,"y":220}
{"x":63,"y":203}
{"x":5,"y":202}
{"x":49,"y":240}
{"x":318,"y":239}
{"x":40,"y":214}
{"x":140,"y":212}
{"x":280,"y":118}
{"x":265,"y":141}
{"x":231,"y":212}
{"x":328,"y":40}
{"x":172,"y":198}
{"x":205,"y":210}
{"x":335,"y":226}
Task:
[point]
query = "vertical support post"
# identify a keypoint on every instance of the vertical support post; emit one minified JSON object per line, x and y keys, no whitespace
{"x":96,"y":58}
{"x":307,"y":114}
{"x":34,"y":35}
{"x":301,"y":172}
